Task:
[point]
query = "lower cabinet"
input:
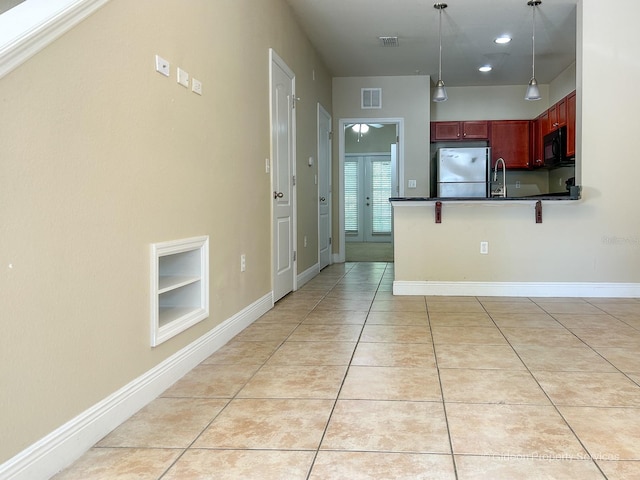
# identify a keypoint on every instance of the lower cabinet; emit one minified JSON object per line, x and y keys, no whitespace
{"x":510,"y":140}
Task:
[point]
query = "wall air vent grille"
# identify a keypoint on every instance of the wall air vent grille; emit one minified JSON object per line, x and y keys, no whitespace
{"x":389,"y":41}
{"x":371,"y":98}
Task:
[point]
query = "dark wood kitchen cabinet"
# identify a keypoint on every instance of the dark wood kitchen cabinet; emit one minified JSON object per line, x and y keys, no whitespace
{"x":510,"y":139}
{"x":561,"y":114}
{"x":537,"y":148}
{"x":557,"y":115}
{"x":571,"y":124}
{"x":454,"y":131}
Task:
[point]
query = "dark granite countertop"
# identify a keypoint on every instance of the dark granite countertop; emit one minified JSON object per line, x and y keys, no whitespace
{"x":545,"y":196}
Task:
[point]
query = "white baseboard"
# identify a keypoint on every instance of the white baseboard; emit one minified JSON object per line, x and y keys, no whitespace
{"x":66,"y":444}
{"x":308,"y":274}
{"x":518,"y":289}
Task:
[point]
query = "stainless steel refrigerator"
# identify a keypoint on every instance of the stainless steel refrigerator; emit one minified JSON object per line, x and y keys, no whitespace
{"x":463,"y":172}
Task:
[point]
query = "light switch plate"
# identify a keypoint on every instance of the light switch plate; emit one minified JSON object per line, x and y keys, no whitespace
{"x":183,"y":78}
{"x":162,"y":66}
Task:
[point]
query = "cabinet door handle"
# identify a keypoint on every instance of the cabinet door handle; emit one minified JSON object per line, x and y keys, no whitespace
{"x":278,"y":194}
{"x":322,"y":199}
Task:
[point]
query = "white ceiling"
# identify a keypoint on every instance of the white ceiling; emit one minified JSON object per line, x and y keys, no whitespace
{"x":346,"y":32}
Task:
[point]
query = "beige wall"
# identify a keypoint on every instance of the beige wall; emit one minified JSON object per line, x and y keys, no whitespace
{"x":376,"y":140}
{"x":594,"y":240}
{"x":102,"y":156}
{"x":505,"y":102}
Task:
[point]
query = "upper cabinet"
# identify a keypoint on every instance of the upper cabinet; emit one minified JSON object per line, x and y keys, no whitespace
{"x":510,"y":141}
{"x":559,"y":115}
{"x":518,"y":142}
{"x":571,"y":124}
{"x":453,"y":131}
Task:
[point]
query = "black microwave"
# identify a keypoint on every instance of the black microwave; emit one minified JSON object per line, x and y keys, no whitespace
{"x":555,"y":148}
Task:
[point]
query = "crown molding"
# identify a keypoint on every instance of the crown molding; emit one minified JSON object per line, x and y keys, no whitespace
{"x":32,"y":25}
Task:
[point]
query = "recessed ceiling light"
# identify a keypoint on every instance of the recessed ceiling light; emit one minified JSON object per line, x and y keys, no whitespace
{"x":502,"y":39}
{"x":485,"y":68}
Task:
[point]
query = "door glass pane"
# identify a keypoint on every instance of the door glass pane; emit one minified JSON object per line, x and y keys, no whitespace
{"x":380,"y":194}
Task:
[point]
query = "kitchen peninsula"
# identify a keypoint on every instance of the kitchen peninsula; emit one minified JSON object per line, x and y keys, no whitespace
{"x":471,"y":246}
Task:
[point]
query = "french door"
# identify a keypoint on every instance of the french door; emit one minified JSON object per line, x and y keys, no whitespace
{"x":367,"y":188}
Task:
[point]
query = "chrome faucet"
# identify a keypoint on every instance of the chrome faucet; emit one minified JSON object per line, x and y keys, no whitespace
{"x":500,"y":191}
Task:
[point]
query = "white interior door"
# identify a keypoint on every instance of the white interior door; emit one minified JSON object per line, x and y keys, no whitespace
{"x":324,"y":187}
{"x":283,"y":164}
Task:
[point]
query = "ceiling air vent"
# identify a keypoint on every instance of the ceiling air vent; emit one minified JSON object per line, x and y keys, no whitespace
{"x":389,"y":41}
{"x":371,"y":98}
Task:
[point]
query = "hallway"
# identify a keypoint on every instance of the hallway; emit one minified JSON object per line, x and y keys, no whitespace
{"x":342,"y":380}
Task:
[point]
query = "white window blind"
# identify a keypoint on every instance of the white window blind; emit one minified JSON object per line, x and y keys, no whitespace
{"x":351,"y":196}
{"x":381,"y":191}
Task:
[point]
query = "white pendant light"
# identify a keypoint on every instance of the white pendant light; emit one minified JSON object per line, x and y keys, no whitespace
{"x":533,"y":92}
{"x":440,"y":93}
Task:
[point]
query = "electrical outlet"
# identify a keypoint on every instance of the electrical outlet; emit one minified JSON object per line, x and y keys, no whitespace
{"x":412,"y":184}
{"x":484,"y":248}
{"x":243,"y":262}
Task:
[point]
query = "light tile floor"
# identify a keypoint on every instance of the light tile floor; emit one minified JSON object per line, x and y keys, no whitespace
{"x":342,"y":380}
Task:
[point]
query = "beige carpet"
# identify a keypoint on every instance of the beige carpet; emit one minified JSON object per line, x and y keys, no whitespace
{"x":369,"y":252}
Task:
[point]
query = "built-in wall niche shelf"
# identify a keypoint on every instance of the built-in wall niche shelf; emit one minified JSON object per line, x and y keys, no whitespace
{"x":179,"y":286}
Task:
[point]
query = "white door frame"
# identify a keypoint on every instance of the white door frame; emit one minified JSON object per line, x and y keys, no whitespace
{"x":274,"y":59}
{"x":341,"y":255}
{"x":322,"y":112}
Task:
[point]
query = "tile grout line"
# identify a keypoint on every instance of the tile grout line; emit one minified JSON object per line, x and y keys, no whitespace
{"x":544,"y":391}
{"x":583,"y":342}
{"x":335,"y":403}
{"x":444,"y":405}
{"x":235,"y":395}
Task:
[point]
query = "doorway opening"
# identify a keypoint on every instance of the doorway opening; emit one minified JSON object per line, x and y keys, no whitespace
{"x":370,"y":166}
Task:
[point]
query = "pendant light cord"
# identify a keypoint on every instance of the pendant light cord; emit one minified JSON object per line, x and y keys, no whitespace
{"x":440,"y":41}
{"x":533,"y":41}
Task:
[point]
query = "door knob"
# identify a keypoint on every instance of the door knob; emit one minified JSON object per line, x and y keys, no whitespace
{"x":278,"y":194}
{"x":322,"y":199}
